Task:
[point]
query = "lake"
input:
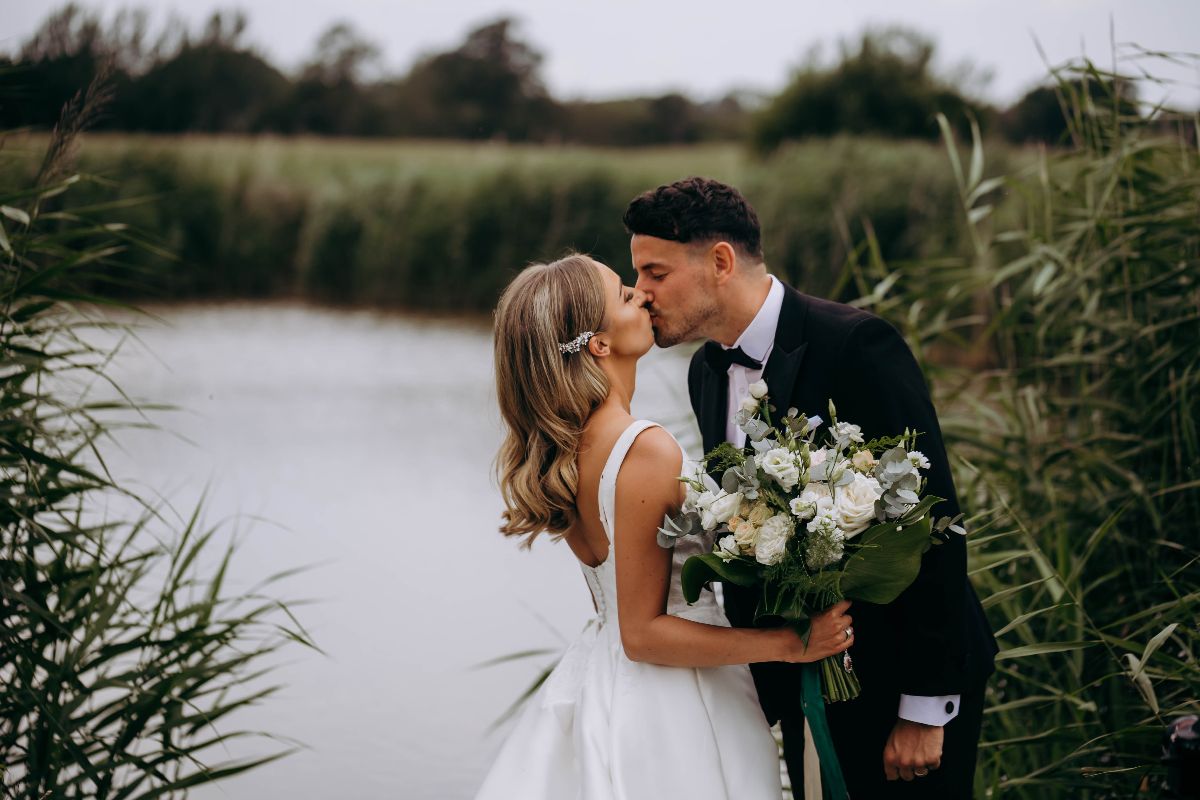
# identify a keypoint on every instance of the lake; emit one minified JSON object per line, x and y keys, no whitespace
{"x":361,"y":444}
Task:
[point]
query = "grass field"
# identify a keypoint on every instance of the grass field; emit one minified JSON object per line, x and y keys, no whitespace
{"x":442,"y":226}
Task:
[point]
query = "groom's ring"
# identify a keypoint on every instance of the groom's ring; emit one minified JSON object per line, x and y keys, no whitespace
{"x":920,"y":773}
{"x":849,"y":632}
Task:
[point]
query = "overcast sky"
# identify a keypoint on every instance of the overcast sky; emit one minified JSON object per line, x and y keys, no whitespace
{"x":606,"y":48}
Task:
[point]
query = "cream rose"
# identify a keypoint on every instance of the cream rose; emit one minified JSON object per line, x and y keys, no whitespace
{"x":758,"y":390}
{"x":781,"y":465}
{"x":854,"y":504}
{"x":863,"y":461}
{"x":749,"y":405}
{"x":772,"y":539}
{"x":745,"y":536}
{"x":759,"y":514}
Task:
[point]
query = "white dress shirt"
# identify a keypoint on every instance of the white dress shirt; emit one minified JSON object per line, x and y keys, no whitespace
{"x":757,"y":341}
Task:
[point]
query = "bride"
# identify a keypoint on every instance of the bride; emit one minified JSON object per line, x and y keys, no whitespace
{"x":654,"y":698}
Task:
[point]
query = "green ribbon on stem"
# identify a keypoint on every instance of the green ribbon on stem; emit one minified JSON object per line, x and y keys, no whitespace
{"x":833,"y":785}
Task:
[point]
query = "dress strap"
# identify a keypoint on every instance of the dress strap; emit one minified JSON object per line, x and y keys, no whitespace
{"x":608,"y":478}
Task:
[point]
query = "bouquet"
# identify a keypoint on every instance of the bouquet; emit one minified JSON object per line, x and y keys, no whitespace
{"x":809,"y":523}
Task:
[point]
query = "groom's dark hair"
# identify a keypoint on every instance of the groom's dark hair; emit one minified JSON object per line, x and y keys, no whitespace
{"x":696,"y":210}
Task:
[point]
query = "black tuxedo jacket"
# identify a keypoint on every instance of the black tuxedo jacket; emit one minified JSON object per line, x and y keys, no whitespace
{"x":933,"y":639}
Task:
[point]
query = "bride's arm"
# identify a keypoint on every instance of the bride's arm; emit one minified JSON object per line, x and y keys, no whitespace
{"x":647,"y":489}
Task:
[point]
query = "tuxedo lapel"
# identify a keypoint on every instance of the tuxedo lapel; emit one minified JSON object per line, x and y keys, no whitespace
{"x":714,"y":402}
{"x":783,"y":365}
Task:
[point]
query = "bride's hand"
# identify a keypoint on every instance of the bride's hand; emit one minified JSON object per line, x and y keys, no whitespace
{"x":830,"y":633}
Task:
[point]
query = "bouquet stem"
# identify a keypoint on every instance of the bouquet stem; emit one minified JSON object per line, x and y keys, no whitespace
{"x":837,"y":681}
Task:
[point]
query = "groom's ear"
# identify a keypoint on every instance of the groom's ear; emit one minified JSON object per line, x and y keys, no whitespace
{"x":724,"y":261}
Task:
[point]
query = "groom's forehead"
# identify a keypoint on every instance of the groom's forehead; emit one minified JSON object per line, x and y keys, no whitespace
{"x":649,"y":251}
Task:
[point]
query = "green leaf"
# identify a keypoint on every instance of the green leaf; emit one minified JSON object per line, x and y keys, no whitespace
{"x":701,"y":570}
{"x":15,"y":214}
{"x":888,"y":559}
{"x":1041,"y":648}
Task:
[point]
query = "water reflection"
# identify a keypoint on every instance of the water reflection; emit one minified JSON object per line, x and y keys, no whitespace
{"x":362,"y":443}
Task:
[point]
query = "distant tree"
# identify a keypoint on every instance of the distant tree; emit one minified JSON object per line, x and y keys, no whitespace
{"x":884,"y":86}
{"x":212,"y":84}
{"x":1040,"y":115}
{"x":667,"y":119}
{"x":58,"y":60}
{"x":489,"y":87}
{"x":329,"y":96}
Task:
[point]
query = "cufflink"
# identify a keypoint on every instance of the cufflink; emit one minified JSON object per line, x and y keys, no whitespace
{"x":949,"y":706}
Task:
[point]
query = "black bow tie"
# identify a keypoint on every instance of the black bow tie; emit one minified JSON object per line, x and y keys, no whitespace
{"x":720,"y":359}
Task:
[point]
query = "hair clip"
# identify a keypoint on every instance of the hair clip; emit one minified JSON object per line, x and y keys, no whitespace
{"x":576,"y":344}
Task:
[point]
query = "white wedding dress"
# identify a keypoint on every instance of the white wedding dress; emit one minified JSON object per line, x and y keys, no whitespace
{"x":603,"y":727}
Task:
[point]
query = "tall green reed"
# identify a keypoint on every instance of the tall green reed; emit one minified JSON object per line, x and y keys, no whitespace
{"x":123,"y":652}
{"x":1066,"y":352}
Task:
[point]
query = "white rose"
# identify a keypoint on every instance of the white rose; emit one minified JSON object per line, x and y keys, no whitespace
{"x":818,"y":457}
{"x":854,"y":505}
{"x":817,"y":494}
{"x":772,"y":539}
{"x":727,"y":548}
{"x":758,"y":390}
{"x":719,"y":510}
{"x":847,"y":432}
{"x":813,"y":500}
{"x":781,"y":465}
{"x":749,"y":405}
{"x":745,"y":535}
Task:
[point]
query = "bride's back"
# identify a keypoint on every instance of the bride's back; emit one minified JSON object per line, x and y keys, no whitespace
{"x":587,"y":538}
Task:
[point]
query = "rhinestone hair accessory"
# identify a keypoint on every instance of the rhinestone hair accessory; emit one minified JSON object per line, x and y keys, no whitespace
{"x":576,"y":344}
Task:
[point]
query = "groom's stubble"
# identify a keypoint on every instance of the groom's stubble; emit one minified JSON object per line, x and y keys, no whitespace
{"x":687,"y":322}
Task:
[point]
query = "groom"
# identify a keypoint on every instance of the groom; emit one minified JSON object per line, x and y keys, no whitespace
{"x":923,"y":659}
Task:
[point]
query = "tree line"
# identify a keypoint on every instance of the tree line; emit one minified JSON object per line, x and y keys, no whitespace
{"x":489,"y":87}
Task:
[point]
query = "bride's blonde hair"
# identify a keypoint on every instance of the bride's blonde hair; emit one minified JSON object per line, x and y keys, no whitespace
{"x":545,"y":395}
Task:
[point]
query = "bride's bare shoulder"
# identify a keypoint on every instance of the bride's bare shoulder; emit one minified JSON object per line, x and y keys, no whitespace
{"x":654,"y":460}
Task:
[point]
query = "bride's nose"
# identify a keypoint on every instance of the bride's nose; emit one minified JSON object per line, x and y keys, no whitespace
{"x":642,"y":298}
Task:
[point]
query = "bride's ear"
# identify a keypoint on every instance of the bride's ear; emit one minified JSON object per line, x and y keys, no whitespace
{"x":599,"y":346}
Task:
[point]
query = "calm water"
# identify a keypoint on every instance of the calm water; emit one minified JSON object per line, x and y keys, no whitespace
{"x":362,"y":444}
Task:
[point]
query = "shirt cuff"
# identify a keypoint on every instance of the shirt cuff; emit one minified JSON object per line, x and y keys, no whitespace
{"x":935,"y":711}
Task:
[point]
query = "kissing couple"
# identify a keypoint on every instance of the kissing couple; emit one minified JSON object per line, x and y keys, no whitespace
{"x":658,"y":698}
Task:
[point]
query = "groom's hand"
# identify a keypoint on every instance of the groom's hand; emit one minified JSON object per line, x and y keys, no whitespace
{"x":911,"y":750}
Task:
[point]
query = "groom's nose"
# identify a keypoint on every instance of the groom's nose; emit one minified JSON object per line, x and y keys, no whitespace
{"x":639,"y":284}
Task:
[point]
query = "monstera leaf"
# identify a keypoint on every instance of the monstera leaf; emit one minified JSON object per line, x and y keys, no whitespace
{"x":700,"y":570}
{"x":889,"y":557}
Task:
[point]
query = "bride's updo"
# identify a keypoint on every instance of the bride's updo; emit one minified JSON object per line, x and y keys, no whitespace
{"x":545,"y":395}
